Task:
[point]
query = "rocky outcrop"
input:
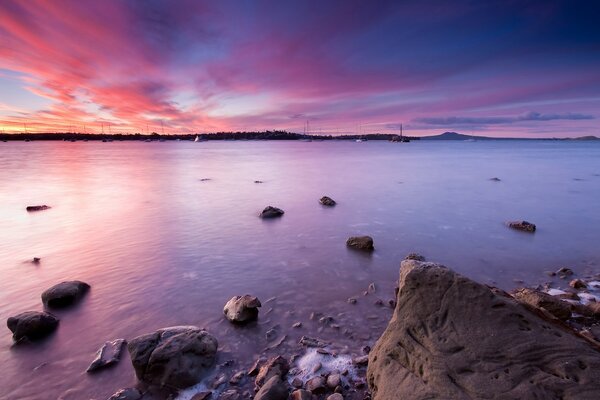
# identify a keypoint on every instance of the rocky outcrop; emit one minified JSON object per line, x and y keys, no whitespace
{"x":177,"y":357}
{"x":364,"y":243}
{"x":551,"y":304}
{"x":32,"y":325}
{"x":242,"y":309}
{"x":271,"y":212}
{"x":327,"y":201}
{"x":108,"y":354}
{"x":37,"y":208}
{"x":273,"y":389}
{"x":452,"y":338}
{"x":522,"y":226}
{"x":64,"y":294}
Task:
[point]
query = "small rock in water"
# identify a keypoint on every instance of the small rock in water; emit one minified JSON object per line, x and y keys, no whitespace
{"x":366,"y":349}
{"x":297,"y":325}
{"x":364,"y":243}
{"x":205,"y":179}
{"x":126,"y":394}
{"x":271,"y":212}
{"x":414,"y":256}
{"x":379,"y":302}
{"x":297,"y":383}
{"x":231,"y":394}
{"x":242,"y":309}
{"x":352,"y":300}
{"x":108,"y":354}
{"x":316,"y":367}
{"x":327,"y":201}
{"x":258,"y":181}
{"x":371,"y":288}
{"x":64,"y":294}
{"x":237,"y":378}
{"x":271,"y":333}
{"x":335,"y":396}
{"x":218,"y":381}
{"x":301,"y":394}
{"x":495,"y":179}
{"x":553,"y":305}
{"x":564,"y":272}
{"x":316,"y":385}
{"x":205,"y":395}
{"x":37,"y":208}
{"x":327,"y":320}
{"x":32,"y":325}
{"x":578,"y":284}
{"x":361,"y":360}
{"x":36,"y":260}
{"x":333,"y":380}
{"x":522,"y":226}
{"x":392,"y":303}
{"x":255,"y":367}
{"x":311,"y":342}
{"x":273,"y":389}
{"x":276,"y":366}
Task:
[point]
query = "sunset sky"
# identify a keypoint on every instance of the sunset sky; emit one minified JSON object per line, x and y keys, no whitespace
{"x":503,"y":68}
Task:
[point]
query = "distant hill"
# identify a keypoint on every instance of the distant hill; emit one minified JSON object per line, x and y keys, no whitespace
{"x":586,"y":138}
{"x":454,"y":136}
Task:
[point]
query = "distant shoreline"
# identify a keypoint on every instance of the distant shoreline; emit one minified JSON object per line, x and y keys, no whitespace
{"x":243,"y":136}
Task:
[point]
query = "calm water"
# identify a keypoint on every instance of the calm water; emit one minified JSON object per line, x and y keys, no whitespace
{"x":160,"y":247}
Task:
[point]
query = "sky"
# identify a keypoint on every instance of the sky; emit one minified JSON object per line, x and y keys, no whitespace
{"x":493,"y":68}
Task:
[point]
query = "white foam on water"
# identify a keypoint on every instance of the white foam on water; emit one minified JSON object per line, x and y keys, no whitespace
{"x":329,"y":363}
{"x":555,"y":292}
{"x":588,"y":297}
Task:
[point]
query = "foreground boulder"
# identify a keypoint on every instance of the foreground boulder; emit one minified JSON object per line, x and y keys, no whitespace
{"x":327,"y":201}
{"x":107,"y":355}
{"x":177,"y":357}
{"x":452,"y":338}
{"x":364,"y":243}
{"x":522,"y":226}
{"x":271,"y":212}
{"x":37,"y":208}
{"x":64,"y":294}
{"x":32,"y":325}
{"x":242,"y":309}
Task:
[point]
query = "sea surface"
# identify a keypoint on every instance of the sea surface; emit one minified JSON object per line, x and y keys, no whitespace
{"x":167,"y":232}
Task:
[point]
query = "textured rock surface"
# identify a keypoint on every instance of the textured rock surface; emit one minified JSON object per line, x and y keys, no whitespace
{"x":273,"y":389}
{"x":555,"y":306}
{"x":276,"y":366}
{"x":241,"y":309}
{"x":360,"y":243}
{"x":64,"y":294}
{"x":108,"y":354}
{"x":177,"y":356}
{"x":327,"y":201}
{"x":271,"y":212}
{"x":452,"y":338}
{"x":522,"y":226}
{"x":32,"y":325}
{"x":37,"y":208}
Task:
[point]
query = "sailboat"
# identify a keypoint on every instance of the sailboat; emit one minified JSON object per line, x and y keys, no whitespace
{"x":197,"y":139}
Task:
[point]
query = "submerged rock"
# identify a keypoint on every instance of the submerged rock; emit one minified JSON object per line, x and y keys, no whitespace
{"x":271,"y":212}
{"x":552,"y":304}
{"x":64,"y":294}
{"x":241,"y":309}
{"x":327,"y":201}
{"x":176,"y":357}
{"x":108,"y":354}
{"x":273,"y":389}
{"x":522,"y":226}
{"x":32,"y":325}
{"x":364,"y":243}
{"x":37,"y":208}
{"x":452,"y":338}
{"x":126,"y":394}
{"x":495,"y":179}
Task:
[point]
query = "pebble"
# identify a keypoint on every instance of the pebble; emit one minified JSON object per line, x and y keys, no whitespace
{"x":202,"y":395}
{"x":316,"y":367}
{"x":297,"y":383}
{"x":237,"y":378}
{"x":333,"y":380}
{"x":361,"y":360}
{"x":335,"y":396}
{"x":352,"y":300}
{"x":297,"y":325}
{"x":316,"y":385}
{"x":301,"y":395}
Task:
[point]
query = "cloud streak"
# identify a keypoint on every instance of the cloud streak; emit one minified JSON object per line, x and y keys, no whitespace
{"x":531,"y":116}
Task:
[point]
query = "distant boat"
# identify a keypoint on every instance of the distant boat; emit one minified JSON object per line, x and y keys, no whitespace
{"x":197,"y":139}
{"x":358,"y":140}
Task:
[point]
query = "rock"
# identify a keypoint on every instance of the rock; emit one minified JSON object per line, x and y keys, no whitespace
{"x":297,"y":325}
{"x":273,"y":389}
{"x":176,"y":357}
{"x":316,"y":385}
{"x":593,"y":309}
{"x":205,"y":395}
{"x":242,"y":309}
{"x":352,"y":300}
{"x":327,"y":201}
{"x":258,"y":181}
{"x":37,"y":208}
{"x":414,"y":256}
{"x":255,"y":367}
{"x":32,"y":325}
{"x":276,"y":366}
{"x":64,"y":294}
{"x":364,"y":243}
{"x":271,"y":212}
{"x":335,"y":396}
{"x":312,"y":342}
{"x":578,"y":284}
{"x":297,"y":382}
{"x":564,"y":272}
{"x":237,"y":378}
{"x":316,"y":367}
{"x":452,"y":338}
{"x":333,"y":380}
{"x":231,"y":394}
{"x":301,"y":394}
{"x":522,"y":226}
{"x":36,"y":260}
{"x":495,"y":179}
{"x":126,"y":394}
{"x":361,"y":360}
{"x":108,"y":354}
{"x":537,"y":299}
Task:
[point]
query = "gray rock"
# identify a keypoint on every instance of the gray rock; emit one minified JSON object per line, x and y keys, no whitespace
{"x":452,"y":338}
{"x":108,"y":354}
{"x":364,"y":243}
{"x":241,"y":309}
{"x":32,"y":325}
{"x":126,"y":394}
{"x":64,"y":294}
{"x":327,"y":201}
{"x":276,"y":366}
{"x":177,"y":357}
{"x":273,"y":389}
{"x":522,"y":226}
{"x":271,"y":212}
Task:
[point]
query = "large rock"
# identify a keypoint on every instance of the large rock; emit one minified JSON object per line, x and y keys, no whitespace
{"x":241,"y":309}
{"x":273,"y":389}
{"x":271,"y":212}
{"x":364,"y":243}
{"x":552,"y":304}
{"x":64,"y":294}
{"x":176,"y":357}
{"x":452,"y":338}
{"x":32,"y":325}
